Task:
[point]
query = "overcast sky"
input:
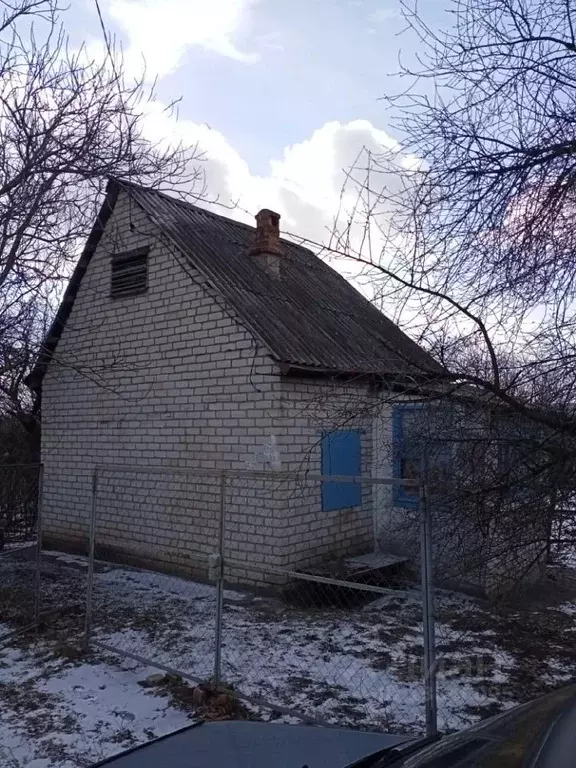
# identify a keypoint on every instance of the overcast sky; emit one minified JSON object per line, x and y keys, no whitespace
{"x":280,"y":94}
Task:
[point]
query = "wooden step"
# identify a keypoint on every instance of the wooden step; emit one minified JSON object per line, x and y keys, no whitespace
{"x":374,"y":561}
{"x":370,"y":567}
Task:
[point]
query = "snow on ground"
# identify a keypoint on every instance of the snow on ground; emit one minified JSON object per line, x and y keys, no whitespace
{"x":355,"y":665}
{"x":69,"y":713}
{"x":338,"y":663}
{"x":359,"y":666}
{"x":327,"y":663}
{"x":65,"y":557}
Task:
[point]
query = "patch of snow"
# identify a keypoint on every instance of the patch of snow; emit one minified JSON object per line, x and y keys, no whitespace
{"x":159,"y":583}
{"x":64,"y":557}
{"x":17,"y":546}
{"x":340,"y":667}
{"x":80,"y":712}
{"x":568,"y":608}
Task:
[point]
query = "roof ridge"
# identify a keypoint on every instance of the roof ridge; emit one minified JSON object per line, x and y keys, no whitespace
{"x":199,"y":208}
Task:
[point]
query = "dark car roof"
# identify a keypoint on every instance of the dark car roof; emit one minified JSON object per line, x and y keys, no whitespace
{"x":244,"y":744}
{"x":311,"y":317}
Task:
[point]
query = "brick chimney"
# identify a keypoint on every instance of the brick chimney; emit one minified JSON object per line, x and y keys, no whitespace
{"x":266,"y":249}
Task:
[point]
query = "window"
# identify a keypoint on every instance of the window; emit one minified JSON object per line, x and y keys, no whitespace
{"x":129,"y":274}
{"x":520,"y":455}
{"x":341,"y":455}
{"x":407,"y":455}
{"x":417,"y":448}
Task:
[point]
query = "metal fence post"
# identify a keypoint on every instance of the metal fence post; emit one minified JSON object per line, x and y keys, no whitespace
{"x":220,"y":584}
{"x":91,"y":550}
{"x":38,"y":574}
{"x":428,"y":615}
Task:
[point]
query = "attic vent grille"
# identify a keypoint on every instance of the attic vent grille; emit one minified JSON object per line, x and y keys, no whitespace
{"x":129,"y":272}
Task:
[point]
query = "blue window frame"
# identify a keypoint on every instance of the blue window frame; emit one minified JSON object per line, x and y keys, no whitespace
{"x":341,"y":455}
{"x":417,"y":449}
{"x":407,"y":456}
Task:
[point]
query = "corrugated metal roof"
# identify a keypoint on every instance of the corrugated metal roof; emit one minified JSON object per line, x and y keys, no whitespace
{"x":311,"y":316}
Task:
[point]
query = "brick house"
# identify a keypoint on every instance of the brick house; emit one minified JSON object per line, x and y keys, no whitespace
{"x":188,"y":340}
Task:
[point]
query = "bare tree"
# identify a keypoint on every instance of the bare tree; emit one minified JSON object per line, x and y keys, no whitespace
{"x":475,"y":250}
{"x":467,"y":235}
{"x":67,"y":124}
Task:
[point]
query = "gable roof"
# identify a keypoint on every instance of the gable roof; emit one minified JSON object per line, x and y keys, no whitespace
{"x":311,"y":318}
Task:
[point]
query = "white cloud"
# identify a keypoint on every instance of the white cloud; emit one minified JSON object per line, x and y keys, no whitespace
{"x":314,"y":171}
{"x":383,"y":14}
{"x":304,"y":185}
{"x":159,"y":32}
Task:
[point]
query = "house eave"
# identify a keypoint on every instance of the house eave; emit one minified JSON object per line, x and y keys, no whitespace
{"x":417,"y":382}
{"x":34,"y":378}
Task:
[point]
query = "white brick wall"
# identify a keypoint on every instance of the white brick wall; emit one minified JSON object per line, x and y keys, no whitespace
{"x":170,"y":378}
{"x":167,"y":378}
{"x":307,"y":407}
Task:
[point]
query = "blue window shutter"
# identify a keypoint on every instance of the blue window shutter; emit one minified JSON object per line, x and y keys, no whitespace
{"x":341,"y":455}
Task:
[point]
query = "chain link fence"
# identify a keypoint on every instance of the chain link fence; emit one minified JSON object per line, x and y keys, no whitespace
{"x":285,"y":601}
{"x":327,"y":635}
{"x":40,"y":591}
{"x":162,"y":520}
{"x":245,"y":579}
